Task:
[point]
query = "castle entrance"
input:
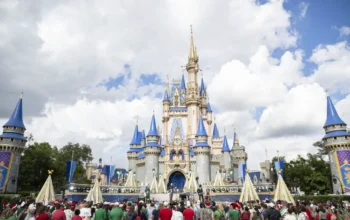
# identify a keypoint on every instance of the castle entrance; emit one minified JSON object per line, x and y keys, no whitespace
{"x":178,"y":179}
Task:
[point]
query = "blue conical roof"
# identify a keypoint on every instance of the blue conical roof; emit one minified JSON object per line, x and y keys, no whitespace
{"x":332,"y":114}
{"x":202,"y":89}
{"x":201,"y":129}
{"x":183,"y":84}
{"x":136,"y":139}
{"x":225,"y":147}
{"x":166,"y":96}
{"x":153,"y":128}
{"x":16,"y":119}
{"x":216,"y":132}
{"x":209,"y":108}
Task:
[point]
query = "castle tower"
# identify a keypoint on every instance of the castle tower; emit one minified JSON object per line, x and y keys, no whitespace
{"x":226,"y":155}
{"x":183,"y":86}
{"x":135,"y":147}
{"x":166,"y":108}
{"x":192,"y":98}
{"x":209,"y":113}
{"x":12,"y":143}
{"x":152,"y":152}
{"x":337,"y":143}
{"x":216,"y":141}
{"x":239,"y":156}
{"x":203,"y":97}
{"x":202,"y":152}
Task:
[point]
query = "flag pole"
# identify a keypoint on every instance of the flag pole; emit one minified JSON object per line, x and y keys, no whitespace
{"x":70,"y":170}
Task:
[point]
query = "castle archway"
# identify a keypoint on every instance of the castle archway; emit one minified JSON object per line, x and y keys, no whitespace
{"x":178,"y":179}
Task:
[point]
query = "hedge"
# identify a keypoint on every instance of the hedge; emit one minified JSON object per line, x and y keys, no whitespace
{"x":323,"y":198}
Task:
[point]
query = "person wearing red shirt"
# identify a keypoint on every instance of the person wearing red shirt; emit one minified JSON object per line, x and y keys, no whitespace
{"x":166,"y":213}
{"x":41,"y":215}
{"x":188,"y":212}
{"x":58,"y":214}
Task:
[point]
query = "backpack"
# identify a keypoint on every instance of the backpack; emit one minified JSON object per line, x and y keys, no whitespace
{"x":129,"y":217}
{"x":245,"y":215}
{"x":206,"y":214}
{"x":222,"y":215}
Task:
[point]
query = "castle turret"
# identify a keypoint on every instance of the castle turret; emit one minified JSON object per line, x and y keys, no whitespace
{"x":12,"y":143}
{"x":192,"y":98}
{"x":336,"y":143}
{"x":166,"y":117}
{"x":216,"y":141}
{"x":202,"y":152}
{"x":239,"y":155}
{"x":203,"y":97}
{"x":226,"y":155}
{"x":135,"y":147}
{"x":152,"y":152}
{"x":183,"y":87}
{"x":209,"y":114}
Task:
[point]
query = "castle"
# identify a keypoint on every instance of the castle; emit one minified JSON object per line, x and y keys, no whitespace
{"x":189,"y":141}
{"x":337,"y":144}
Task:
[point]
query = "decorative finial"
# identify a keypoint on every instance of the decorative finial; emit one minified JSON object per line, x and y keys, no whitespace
{"x":214,"y":119}
{"x":327,"y":94}
{"x":50,"y":172}
{"x":247,"y":170}
{"x":167,"y":84}
{"x":234,"y":128}
{"x":224,"y":130}
{"x":21,"y":95}
{"x":279,"y":171}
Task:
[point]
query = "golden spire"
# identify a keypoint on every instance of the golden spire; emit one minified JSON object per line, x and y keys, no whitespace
{"x":193,"y":53}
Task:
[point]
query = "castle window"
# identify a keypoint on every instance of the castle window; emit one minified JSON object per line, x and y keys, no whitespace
{"x":1,"y":139}
{"x":22,"y":141}
{"x":12,"y":139}
{"x":335,"y":138}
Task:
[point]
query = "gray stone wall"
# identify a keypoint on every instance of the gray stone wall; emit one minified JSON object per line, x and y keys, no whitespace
{"x":203,"y":168}
{"x":151,"y":163}
{"x":13,"y":176}
{"x":140,"y":174}
{"x":213,"y":169}
{"x":132,"y":164}
{"x":227,"y":160}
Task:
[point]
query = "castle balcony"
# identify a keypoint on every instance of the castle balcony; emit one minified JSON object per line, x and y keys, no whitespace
{"x":177,"y":164}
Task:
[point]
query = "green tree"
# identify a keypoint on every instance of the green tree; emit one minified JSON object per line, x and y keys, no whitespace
{"x":41,"y":157}
{"x":274,"y":172}
{"x":312,"y":174}
{"x":320,"y":147}
{"x":35,"y":163}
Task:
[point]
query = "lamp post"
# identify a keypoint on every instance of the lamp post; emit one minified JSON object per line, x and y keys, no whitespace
{"x":335,"y":178}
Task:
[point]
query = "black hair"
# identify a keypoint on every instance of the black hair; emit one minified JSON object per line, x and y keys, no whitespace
{"x":77,"y":212}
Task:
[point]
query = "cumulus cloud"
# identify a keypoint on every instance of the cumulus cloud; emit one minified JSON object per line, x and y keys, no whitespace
{"x":332,"y":70}
{"x":62,"y":54}
{"x":344,"y":31}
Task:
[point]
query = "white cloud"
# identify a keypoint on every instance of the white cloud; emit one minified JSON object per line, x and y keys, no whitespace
{"x":344,"y":31}
{"x":264,"y":81}
{"x":333,"y":71}
{"x":303,"y":6}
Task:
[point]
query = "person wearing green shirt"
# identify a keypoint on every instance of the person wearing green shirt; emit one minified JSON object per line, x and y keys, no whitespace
{"x":100,"y":213}
{"x":219,"y":213}
{"x":116,"y":213}
{"x":233,"y":214}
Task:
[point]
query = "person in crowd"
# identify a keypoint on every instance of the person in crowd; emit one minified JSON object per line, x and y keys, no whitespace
{"x":245,"y":214}
{"x":68,"y":212}
{"x":206,"y":212}
{"x":77,"y":215}
{"x":233,"y":213}
{"x":100,"y":213}
{"x":197,"y":210}
{"x":41,"y":214}
{"x":165,"y":213}
{"x":219,"y":213}
{"x":116,"y":212}
{"x":139,"y":214}
{"x":150,"y":210}
{"x":156,"y":211}
{"x":188,"y":213}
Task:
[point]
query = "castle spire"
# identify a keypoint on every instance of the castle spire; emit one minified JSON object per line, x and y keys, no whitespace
{"x":225,"y":147}
{"x":192,"y":57}
{"x":153,"y":128}
{"x":202,"y":90}
{"x":332,"y":114}
{"x":201,"y":129}
{"x":215,"y":132}
{"x":16,"y":119}
{"x":135,"y":139}
{"x":183,"y":84}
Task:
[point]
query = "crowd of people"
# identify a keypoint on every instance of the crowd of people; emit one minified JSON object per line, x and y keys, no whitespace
{"x":127,"y":210}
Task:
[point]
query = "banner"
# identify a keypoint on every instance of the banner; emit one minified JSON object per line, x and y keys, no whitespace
{"x":111,"y":173}
{"x":342,"y":159}
{"x":279,"y":165}
{"x":5,"y":166}
{"x":70,"y":169}
{"x":106,"y":171}
{"x":242,"y":171}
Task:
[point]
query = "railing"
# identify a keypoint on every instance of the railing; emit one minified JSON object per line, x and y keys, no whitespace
{"x":237,"y":189}
{"x":85,"y":188}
